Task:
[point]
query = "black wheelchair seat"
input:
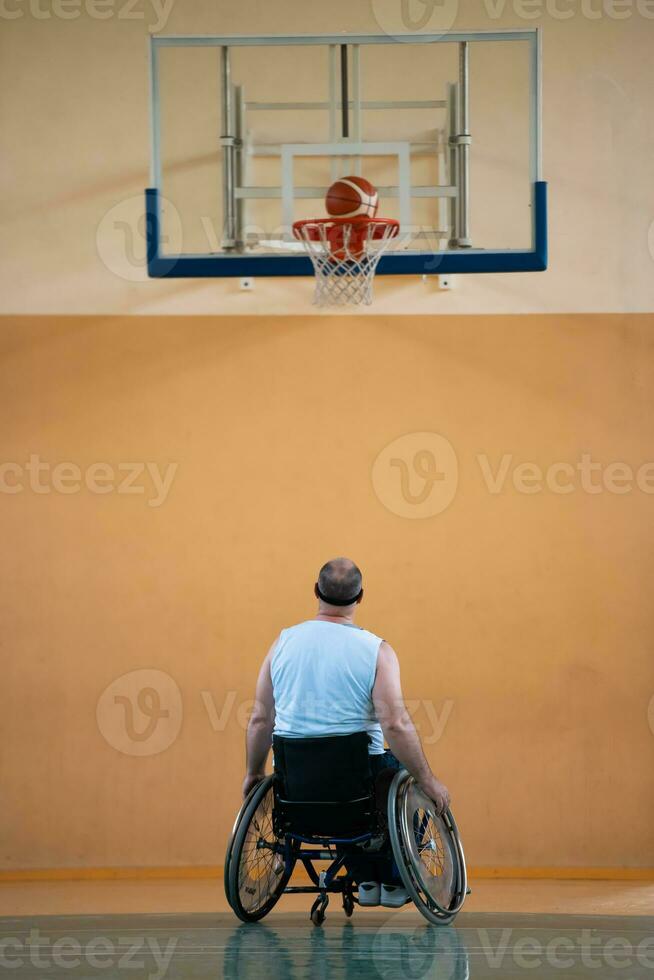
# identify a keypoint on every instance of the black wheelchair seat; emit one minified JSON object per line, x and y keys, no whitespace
{"x":324,"y":786}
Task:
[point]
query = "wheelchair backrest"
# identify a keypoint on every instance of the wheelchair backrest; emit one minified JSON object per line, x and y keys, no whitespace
{"x":323,"y":786}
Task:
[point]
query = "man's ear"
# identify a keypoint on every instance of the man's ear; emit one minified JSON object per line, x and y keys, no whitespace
{"x":360,"y":597}
{"x":315,"y":592}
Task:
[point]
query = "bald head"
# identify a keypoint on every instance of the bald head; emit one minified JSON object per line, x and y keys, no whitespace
{"x":339,"y":582}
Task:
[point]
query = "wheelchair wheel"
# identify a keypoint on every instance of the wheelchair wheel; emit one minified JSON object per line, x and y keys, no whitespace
{"x":427,"y":851}
{"x":255,"y":874}
{"x":230,"y":845}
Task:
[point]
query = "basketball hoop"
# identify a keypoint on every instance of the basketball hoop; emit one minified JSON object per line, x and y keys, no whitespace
{"x":345,"y":253}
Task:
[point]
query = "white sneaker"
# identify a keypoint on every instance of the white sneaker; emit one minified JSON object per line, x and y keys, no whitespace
{"x":369,"y":893}
{"x":394,"y":896}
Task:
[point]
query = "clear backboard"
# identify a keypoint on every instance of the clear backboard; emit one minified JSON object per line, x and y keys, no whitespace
{"x":247,"y":134}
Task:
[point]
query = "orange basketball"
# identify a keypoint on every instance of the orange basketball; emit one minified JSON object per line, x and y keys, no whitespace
{"x":352,"y":197}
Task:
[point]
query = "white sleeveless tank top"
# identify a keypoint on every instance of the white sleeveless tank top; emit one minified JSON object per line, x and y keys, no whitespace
{"x":322,"y":676}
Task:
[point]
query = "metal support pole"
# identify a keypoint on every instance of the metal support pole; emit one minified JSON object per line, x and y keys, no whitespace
{"x":442,"y":204}
{"x":155,"y":135}
{"x":535,"y":107}
{"x":333,"y":99}
{"x":228,"y":142}
{"x":356,"y":104}
{"x":535,"y":122}
{"x":239,"y":167}
{"x":452,"y":167}
{"x":345,"y":96}
{"x":463,"y":139}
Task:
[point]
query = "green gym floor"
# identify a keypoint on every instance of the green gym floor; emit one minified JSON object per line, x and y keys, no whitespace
{"x":374,"y":943}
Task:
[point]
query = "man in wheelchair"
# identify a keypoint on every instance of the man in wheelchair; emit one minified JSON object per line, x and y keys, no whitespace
{"x":327,"y":696}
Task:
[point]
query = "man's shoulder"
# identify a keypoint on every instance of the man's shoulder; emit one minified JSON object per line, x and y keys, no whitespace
{"x":373,"y":636}
{"x":387,"y":654}
{"x":297,"y":626}
{"x":289,"y":630}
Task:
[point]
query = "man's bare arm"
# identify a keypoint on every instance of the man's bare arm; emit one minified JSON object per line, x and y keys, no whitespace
{"x":399,"y":731}
{"x":258,"y":738}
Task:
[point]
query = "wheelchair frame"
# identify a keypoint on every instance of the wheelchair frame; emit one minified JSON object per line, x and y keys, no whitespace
{"x":288,"y":846}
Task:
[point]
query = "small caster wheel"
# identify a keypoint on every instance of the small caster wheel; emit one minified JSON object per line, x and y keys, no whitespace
{"x":317,"y":917}
{"x":348,"y":906}
{"x":318,"y":910}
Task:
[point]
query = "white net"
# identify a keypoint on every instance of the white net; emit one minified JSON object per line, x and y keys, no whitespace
{"x":345,"y":258}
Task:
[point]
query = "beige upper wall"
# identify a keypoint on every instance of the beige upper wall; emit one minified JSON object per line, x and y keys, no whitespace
{"x":75,"y":146}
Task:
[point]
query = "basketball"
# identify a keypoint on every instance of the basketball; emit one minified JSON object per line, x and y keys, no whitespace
{"x":352,"y":197}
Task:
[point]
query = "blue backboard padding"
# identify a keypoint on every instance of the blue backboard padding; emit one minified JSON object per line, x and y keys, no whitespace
{"x":456,"y":262}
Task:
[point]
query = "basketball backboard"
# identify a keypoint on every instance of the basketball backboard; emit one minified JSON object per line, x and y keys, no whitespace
{"x":248,"y":132}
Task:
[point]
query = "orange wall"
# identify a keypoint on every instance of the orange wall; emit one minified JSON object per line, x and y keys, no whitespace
{"x":522,"y":620}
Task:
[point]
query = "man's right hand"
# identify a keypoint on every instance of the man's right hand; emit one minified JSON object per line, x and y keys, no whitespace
{"x":436,"y":791}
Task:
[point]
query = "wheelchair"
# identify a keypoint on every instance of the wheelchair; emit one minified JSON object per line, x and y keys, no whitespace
{"x":320,"y":805}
